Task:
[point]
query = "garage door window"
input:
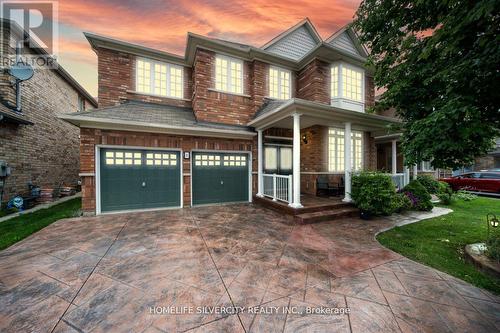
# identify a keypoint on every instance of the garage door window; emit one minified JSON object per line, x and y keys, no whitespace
{"x":207,"y":160}
{"x":161,"y":159}
{"x":123,"y":158}
{"x":235,"y":160}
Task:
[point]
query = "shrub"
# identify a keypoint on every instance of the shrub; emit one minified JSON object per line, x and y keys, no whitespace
{"x":465,"y":196}
{"x":7,"y":211}
{"x":374,"y":192}
{"x":402,"y":202}
{"x":420,"y":198}
{"x":445,"y":193}
{"x":493,"y":248}
{"x":430,"y":184}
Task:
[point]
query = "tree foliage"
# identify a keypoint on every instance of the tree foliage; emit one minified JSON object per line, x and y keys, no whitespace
{"x":440,"y":63}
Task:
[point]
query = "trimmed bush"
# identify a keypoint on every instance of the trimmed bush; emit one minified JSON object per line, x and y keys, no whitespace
{"x":445,"y":193}
{"x":374,"y":193}
{"x":420,"y":198}
{"x":402,"y":202}
{"x":430,"y":184}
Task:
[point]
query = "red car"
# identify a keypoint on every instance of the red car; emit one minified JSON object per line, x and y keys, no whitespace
{"x":481,"y":181}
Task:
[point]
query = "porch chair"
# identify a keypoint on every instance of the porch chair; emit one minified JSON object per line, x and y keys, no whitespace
{"x":323,"y":186}
{"x":341,"y":187}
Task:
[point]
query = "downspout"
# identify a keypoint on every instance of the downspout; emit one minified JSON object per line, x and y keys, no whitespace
{"x":18,"y":82}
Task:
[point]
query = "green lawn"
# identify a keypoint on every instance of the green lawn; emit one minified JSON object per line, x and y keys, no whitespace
{"x":439,"y":242}
{"x":17,"y":228}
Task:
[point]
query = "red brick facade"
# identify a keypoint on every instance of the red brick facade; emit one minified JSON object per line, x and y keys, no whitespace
{"x":220,"y":107}
{"x":313,"y":82}
{"x":116,"y":81}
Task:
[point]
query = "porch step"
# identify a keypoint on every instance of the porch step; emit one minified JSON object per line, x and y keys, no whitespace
{"x":326,"y":215}
{"x":333,"y":206}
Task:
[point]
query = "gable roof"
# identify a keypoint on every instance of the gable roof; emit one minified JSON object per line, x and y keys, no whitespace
{"x":295,"y":42}
{"x":346,"y":39}
{"x":295,"y":60}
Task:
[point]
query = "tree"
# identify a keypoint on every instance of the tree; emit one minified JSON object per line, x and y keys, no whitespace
{"x":440,"y":64}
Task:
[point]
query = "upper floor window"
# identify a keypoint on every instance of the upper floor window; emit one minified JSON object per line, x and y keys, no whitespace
{"x":228,"y":74}
{"x":159,"y":78}
{"x":279,"y":83}
{"x":336,"y":149}
{"x":347,"y":84}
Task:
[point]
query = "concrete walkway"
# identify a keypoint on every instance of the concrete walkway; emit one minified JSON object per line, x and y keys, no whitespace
{"x":167,"y":271}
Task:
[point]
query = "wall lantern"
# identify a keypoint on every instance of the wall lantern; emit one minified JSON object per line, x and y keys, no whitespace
{"x":304,"y":138}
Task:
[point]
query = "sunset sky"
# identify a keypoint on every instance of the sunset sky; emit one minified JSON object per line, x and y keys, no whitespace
{"x":163,"y":24}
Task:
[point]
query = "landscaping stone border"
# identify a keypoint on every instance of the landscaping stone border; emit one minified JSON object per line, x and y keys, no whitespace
{"x":38,"y":207}
{"x":481,"y":261}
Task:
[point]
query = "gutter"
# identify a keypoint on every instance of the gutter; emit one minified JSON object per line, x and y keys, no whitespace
{"x":305,"y":103}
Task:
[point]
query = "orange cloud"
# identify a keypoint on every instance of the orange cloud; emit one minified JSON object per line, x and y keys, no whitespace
{"x":164,"y":24}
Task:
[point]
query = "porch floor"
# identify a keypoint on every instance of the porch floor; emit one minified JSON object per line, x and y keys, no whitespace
{"x":315,"y":208}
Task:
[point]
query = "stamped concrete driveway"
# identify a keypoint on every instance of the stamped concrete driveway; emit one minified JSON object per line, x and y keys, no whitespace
{"x":111,"y":273}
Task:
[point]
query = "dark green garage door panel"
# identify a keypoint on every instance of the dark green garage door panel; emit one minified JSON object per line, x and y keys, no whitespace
{"x":219,"y":177}
{"x":139,"y":179}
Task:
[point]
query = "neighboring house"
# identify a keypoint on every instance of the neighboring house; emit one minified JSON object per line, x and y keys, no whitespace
{"x":215,"y":124}
{"x":489,"y":161}
{"x":39,"y":148}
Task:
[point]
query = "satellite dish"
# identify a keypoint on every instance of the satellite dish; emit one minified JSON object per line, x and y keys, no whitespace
{"x":21,"y":71}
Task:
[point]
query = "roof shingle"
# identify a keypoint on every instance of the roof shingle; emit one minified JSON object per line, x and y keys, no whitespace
{"x":155,"y":114}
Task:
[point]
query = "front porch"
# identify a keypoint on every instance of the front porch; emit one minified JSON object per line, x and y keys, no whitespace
{"x":324,"y":145}
{"x":314,"y":208}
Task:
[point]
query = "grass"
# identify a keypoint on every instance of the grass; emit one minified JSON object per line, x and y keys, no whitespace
{"x":439,"y":242}
{"x":18,"y":228}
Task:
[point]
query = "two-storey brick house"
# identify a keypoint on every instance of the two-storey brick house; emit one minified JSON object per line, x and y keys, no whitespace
{"x":216,"y":124}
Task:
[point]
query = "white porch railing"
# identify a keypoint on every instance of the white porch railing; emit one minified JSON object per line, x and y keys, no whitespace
{"x":278,"y":187}
{"x":399,"y":180}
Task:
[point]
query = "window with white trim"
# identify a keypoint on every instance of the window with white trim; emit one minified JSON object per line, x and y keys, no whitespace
{"x":346,"y":82}
{"x":159,"y":78}
{"x":279,"y":83}
{"x":336,"y":150}
{"x":228,"y":74}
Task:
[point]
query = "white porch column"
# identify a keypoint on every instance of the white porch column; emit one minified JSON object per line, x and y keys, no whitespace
{"x":347,"y":162}
{"x":415,"y":171}
{"x":260,"y":163}
{"x":406,"y":175}
{"x":296,"y":162}
{"x":394,"y":157}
